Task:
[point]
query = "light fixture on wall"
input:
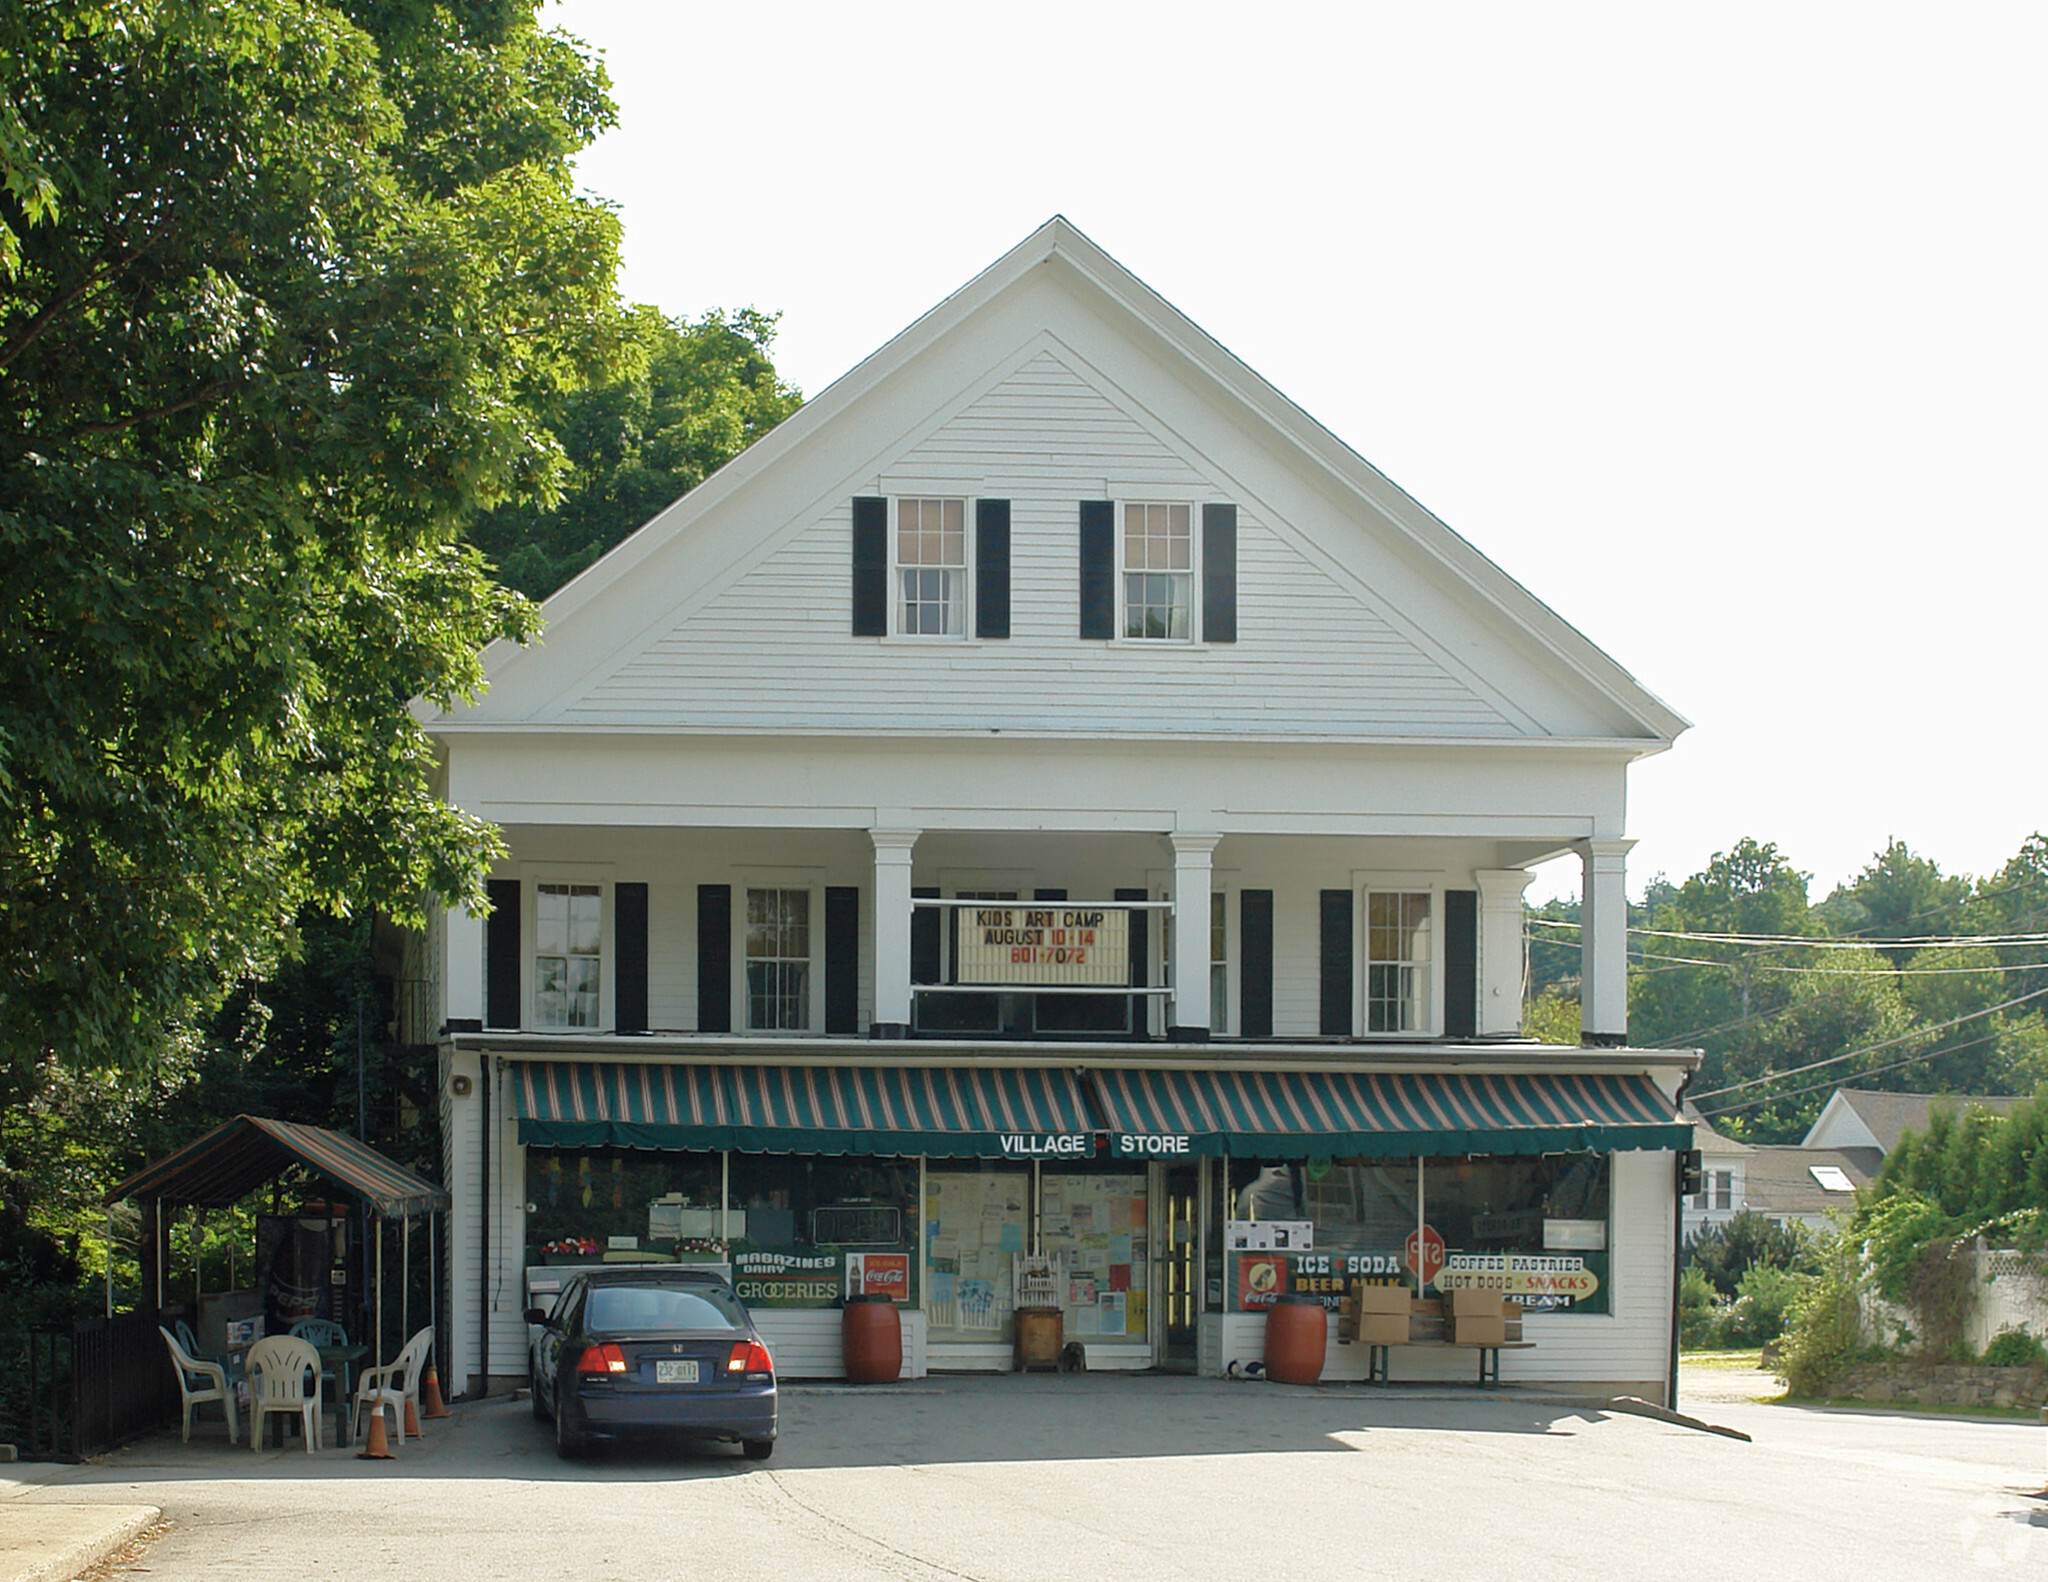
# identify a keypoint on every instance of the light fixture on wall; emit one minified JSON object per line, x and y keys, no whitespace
{"x":459,"y":1086}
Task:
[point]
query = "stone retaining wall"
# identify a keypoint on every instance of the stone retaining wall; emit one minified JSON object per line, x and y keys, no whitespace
{"x":1944,"y":1384}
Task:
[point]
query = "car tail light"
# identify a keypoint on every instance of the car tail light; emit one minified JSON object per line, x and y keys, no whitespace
{"x":750,"y":1357}
{"x":602,"y":1359}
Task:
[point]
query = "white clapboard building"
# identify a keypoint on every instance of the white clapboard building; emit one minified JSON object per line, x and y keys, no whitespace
{"x":1051,"y":800}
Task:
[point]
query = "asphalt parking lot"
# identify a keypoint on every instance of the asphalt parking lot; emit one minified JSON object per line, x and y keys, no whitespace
{"x":1047,"y":1477}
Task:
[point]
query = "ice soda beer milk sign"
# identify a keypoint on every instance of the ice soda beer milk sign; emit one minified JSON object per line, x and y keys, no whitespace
{"x":1066,"y":946}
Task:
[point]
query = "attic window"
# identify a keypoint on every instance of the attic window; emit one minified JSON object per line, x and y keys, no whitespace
{"x":1831,"y":1178}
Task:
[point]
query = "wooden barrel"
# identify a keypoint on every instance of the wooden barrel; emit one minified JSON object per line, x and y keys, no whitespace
{"x":1296,"y":1331}
{"x":871,"y":1339}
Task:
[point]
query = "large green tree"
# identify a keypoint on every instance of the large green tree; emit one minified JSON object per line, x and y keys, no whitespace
{"x":705,"y":391}
{"x":285,"y":289}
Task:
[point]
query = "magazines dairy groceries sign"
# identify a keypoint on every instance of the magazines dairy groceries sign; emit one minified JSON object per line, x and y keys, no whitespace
{"x":1045,"y":946}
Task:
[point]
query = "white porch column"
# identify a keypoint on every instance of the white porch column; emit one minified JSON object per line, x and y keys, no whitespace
{"x":462,"y":968}
{"x":1603,"y":943}
{"x":1503,"y":950}
{"x":892,"y":931}
{"x":1193,"y":858}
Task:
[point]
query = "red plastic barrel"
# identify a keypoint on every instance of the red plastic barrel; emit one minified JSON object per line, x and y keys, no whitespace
{"x":871,"y":1337}
{"x":1297,"y":1329}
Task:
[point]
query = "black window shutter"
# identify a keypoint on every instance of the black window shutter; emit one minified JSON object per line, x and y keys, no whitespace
{"x":501,"y":954}
{"x":1461,"y":963}
{"x":1141,"y":960}
{"x":991,"y":568}
{"x":1255,"y":966}
{"x":1098,"y":569}
{"x":629,"y":979}
{"x":1219,"y":573}
{"x":1336,"y":964}
{"x":870,"y":567}
{"x":714,"y":958}
{"x":842,"y":958}
{"x":924,"y":936}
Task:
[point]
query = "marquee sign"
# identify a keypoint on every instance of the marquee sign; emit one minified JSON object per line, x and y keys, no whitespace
{"x":1045,"y":946}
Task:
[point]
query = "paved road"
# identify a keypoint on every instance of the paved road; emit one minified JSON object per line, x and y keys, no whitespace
{"x":1043,"y":1478}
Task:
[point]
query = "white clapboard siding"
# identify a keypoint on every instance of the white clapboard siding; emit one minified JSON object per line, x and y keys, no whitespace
{"x":1313,"y":657}
{"x":805,"y":1343}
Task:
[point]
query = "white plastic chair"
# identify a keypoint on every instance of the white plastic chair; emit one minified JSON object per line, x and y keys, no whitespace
{"x":284,"y":1376}
{"x":199,"y":1382}
{"x":392,"y":1385}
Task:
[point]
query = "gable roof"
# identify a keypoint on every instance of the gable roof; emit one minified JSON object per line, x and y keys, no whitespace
{"x":1780,"y":1178}
{"x":625,"y":602}
{"x":1889,"y":1116}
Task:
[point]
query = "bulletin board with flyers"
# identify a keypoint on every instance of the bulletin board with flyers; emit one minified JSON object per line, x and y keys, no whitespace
{"x":976,"y":1223}
{"x":1096,"y":1223}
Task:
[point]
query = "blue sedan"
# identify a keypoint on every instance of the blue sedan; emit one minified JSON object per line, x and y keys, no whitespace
{"x":650,"y":1349}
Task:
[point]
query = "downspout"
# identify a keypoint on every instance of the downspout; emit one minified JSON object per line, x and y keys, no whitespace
{"x":1677,"y":1247}
{"x":483,"y":1260}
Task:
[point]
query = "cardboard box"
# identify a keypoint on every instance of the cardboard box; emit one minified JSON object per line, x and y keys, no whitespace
{"x":1477,"y":1318}
{"x":1379,"y":1314}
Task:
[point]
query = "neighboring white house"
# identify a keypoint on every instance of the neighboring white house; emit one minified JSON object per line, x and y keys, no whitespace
{"x":1050,"y":796}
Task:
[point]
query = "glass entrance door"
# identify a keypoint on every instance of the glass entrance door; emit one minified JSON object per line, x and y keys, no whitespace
{"x":1177,"y":1265}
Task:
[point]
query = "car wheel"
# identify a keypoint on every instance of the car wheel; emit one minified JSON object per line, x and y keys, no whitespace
{"x":568,"y":1443}
{"x":757,"y":1449}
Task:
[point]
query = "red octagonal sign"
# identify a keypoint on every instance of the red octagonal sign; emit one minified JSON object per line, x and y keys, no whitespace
{"x":1425,"y":1255}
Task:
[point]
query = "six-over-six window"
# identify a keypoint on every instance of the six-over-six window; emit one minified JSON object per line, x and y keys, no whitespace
{"x":931,"y":567}
{"x":1158,"y":570}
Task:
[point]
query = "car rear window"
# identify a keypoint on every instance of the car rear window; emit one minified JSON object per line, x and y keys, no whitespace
{"x":615,"y":1309}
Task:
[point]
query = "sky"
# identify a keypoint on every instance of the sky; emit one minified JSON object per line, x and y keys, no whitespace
{"x":1723,"y":330}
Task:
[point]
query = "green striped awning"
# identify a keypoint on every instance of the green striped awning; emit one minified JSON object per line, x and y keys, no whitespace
{"x":1296,"y":1114}
{"x":945,"y":1111}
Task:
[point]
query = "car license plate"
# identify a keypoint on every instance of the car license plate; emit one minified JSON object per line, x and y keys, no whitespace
{"x":675,"y":1372}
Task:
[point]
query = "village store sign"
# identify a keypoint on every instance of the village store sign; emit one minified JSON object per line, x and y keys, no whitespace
{"x":1085,"y":1145}
{"x":1045,"y":946}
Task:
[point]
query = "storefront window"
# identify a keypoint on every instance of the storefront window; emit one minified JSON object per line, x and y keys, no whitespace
{"x":819,"y":1227}
{"x":1532,"y":1226}
{"x":1095,"y":1223}
{"x":978,"y":1215}
{"x":585,"y":1203}
{"x":798,"y":1231}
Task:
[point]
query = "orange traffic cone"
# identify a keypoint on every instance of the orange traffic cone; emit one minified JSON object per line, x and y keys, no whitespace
{"x":375,"y":1446}
{"x":430,"y":1394}
{"x":412,"y":1419}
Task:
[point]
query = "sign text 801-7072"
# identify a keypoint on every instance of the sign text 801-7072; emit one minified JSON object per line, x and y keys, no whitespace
{"x":1065,"y":946}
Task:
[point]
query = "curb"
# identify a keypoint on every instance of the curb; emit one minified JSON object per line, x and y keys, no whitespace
{"x":1642,"y":1408}
{"x":54,"y":1543}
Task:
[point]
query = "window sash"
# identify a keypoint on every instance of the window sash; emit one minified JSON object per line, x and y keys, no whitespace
{"x":778,"y":960}
{"x":1400,"y":960}
{"x":930,"y":550}
{"x":1158,"y":554}
{"x":568,"y":956}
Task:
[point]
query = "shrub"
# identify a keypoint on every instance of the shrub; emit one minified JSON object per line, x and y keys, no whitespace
{"x":1724,"y":1253}
{"x":2014,"y":1348}
{"x":1699,"y":1312}
{"x":1826,"y":1331}
{"x":1764,"y":1304}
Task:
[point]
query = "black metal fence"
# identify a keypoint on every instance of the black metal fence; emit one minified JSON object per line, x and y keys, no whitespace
{"x":94,"y":1383}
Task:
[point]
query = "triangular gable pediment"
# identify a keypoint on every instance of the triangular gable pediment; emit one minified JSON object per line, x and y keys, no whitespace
{"x":1054,"y":378}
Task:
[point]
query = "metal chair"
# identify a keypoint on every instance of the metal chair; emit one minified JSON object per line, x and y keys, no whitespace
{"x":199,"y":1381}
{"x":284,"y":1376}
{"x":394,"y":1384}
